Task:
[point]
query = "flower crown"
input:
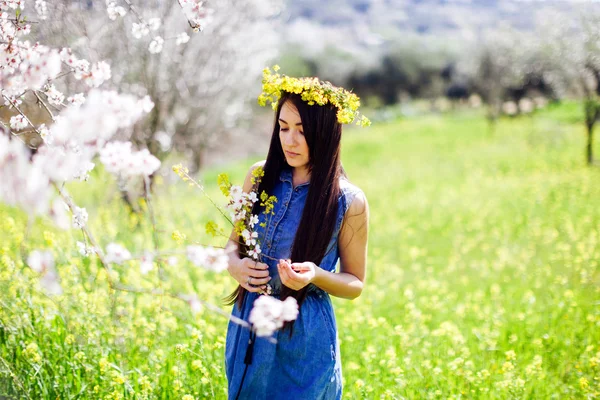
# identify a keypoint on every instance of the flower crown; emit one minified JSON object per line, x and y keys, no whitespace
{"x":313,"y":91}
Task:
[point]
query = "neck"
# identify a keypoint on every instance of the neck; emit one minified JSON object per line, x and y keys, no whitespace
{"x":300,"y":175}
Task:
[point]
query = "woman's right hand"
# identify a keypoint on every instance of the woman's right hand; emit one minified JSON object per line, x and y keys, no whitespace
{"x":250,"y":274}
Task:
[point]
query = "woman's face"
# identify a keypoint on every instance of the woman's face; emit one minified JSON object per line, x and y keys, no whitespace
{"x":292,"y":137}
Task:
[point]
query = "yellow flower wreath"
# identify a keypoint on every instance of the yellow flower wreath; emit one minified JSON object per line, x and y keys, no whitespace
{"x":313,"y":91}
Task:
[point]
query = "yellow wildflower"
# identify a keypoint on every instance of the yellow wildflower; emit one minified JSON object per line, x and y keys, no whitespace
{"x":178,"y":237}
{"x":510,"y":355}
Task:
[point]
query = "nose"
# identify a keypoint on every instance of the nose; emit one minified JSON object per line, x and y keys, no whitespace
{"x":289,"y":138}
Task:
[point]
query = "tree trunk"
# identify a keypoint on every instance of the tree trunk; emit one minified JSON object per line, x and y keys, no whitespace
{"x":590,"y":135}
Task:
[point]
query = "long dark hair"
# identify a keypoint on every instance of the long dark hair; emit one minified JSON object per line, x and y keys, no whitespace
{"x":323,"y":135}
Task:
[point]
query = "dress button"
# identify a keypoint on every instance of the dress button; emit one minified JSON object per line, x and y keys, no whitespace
{"x":269,"y":245}
{"x":286,"y":203}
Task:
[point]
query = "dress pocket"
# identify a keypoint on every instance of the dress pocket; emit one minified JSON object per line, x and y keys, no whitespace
{"x":328,"y":324}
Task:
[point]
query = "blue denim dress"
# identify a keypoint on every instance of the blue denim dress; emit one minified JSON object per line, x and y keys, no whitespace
{"x":307,"y":365}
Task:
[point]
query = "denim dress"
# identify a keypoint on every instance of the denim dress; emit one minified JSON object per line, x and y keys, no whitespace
{"x":306,"y":365}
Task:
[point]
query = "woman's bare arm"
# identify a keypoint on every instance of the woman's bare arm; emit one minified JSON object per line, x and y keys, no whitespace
{"x":352,"y":244}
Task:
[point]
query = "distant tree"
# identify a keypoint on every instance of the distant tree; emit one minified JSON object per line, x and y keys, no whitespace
{"x":495,"y":65}
{"x":571,"y":57}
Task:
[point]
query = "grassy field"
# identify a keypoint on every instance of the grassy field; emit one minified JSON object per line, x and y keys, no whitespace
{"x":483,"y":278}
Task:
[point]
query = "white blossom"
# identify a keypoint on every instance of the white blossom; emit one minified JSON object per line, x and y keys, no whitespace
{"x":163,"y":139}
{"x":114,"y":11}
{"x":154,"y":24}
{"x":147,"y":104}
{"x":119,"y":159}
{"x":156,"y":45}
{"x":40,"y":261}
{"x":84,"y":249}
{"x":76,"y":100}
{"x":51,"y":283}
{"x":217,"y":260}
{"x":14,"y":4}
{"x":28,"y":67}
{"x":194,"y":303}
{"x":115,"y":253}
{"x":252,"y":197}
{"x":172,"y":261}
{"x":98,"y":119}
{"x":250,"y":238}
{"x":55,"y":97}
{"x":80,"y":217}
{"x":146,"y":263}
{"x":99,"y":73}
{"x":196,"y":255}
{"x":83,"y":171}
{"x":18,"y":122}
{"x":182,"y":38}
{"x":198,"y":15}
{"x":210,"y":258}
{"x":269,"y":314}
{"x":41,"y":8}
{"x":254,"y":252}
{"x":64,"y":163}
{"x":139,"y":30}
{"x":59,"y":214}
{"x":290,"y":309}
{"x":21,"y":183}
{"x":82,"y":69}
{"x":45,"y":134}
{"x":43,"y":263}
{"x":253,"y":221}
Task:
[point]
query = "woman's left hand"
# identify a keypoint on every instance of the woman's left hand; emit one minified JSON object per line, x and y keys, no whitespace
{"x":296,"y":275}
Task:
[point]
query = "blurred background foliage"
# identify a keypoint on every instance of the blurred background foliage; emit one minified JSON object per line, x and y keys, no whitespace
{"x":508,"y":57}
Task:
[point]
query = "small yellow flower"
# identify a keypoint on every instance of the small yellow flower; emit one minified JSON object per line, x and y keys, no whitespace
{"x":196,"y":365}
{"x":584,"y":383}
{"x":507,"y":366}
{"x":117,"y":378}
{"x":69,"y":339}
{"x":178,"y":237}
{"x":103,"y":363}
{"x":510,"y":355}
{"x":32,"y":353}
{"x":359,"y":383}
{"x":49,"y":238}
{"x":177,"y":385}
{"x":353,"y":366}
{"x":79,"y":356}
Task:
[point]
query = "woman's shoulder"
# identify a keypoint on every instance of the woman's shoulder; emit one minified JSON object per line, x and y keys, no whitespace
{"x":348,"y":193}
{"x":256,"y":165}
{"x":248,"y":180}
{"x":347,"y":187}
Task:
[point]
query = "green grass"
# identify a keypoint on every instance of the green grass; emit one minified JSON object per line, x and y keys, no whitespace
{"x":483,"y":278}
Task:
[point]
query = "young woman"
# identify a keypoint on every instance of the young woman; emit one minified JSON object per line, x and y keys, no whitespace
{"x":319,"y":217}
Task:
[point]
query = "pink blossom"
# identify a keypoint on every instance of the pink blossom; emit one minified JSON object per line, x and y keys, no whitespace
{"x":268,"y":314}
{"x":40,"y":261}
{"x":115,"y":253}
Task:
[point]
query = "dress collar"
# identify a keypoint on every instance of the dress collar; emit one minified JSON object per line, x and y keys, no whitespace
{"x":286,"y":176}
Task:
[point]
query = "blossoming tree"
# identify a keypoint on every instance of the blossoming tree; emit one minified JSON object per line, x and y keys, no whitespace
{"x":49,"y":138}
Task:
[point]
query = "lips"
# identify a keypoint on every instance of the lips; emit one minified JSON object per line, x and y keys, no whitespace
{"x":291,"y":154}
